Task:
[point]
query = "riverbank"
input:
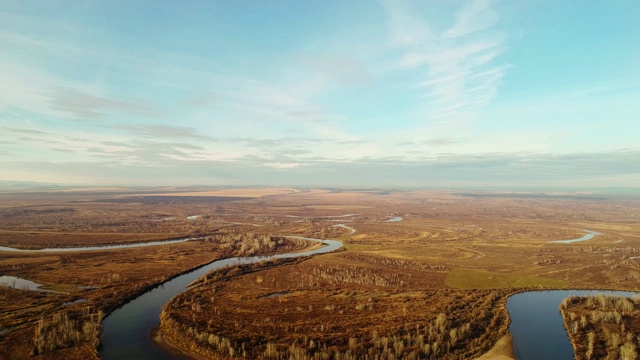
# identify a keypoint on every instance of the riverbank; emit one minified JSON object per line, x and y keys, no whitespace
{"x":502,"y":350}
{"x":126,"y":330}
{"x":602,"y":326}
{"x":105,"y":280}
{"x":158,"y":338}
{"x":538,"y":328}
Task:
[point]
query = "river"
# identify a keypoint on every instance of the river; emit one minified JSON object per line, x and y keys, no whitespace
{"x":537,"y":326}
{"x":104,"y":247}
{"x":588,"y":236}
{"x":126,"y":332}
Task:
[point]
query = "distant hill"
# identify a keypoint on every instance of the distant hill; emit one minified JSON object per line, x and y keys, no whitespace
{"x":28,"y":185}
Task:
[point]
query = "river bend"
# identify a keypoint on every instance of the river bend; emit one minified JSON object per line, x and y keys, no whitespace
{"x":126,"y":332}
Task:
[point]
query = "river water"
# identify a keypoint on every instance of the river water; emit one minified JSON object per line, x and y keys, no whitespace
{"x":126,"y":332}
{"x":22,"y":284}
{"x":105,"y":247}
{"x":588,"y":236}
{"x":537,"y":326}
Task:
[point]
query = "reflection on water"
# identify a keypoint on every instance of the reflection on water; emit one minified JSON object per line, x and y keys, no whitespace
{"x":536,"y":324}
{"x":22,"y":284}
{"x":105,"y":247}
{"x":126,"y":331}
{"x":77,"y":301}
{"x":588,"y":236}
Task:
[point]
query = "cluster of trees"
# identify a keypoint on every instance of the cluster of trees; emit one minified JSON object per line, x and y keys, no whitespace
{"x":64,"y":329}
{"x":607,"y":250}
{"x":103,"y":220}
{"x":343,"y":275}
{"x":250,"y":244}
{"x":602,"y":326}
{"x":270,"y":220}
{"x":548,"y":261}
{"x":7,"y":213}
{"x":535,"y":232}
{"x":431,"y":341}
{"x":398,"y":263}
{"x":438,"y":339}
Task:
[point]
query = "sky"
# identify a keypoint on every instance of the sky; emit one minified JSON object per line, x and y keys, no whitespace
{"x":530,"y":93}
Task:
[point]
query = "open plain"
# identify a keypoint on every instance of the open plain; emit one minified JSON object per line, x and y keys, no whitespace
{"x":423,"y":274}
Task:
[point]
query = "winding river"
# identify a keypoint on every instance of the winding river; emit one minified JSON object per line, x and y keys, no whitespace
{"x":126,"y":332}
{"x":536,"y":325}
{"x":588,"y":236}
{"x":104,"y":247}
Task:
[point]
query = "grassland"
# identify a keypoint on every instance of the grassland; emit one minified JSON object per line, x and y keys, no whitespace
{"x":431,"y":286}
{"x":477,"y":279}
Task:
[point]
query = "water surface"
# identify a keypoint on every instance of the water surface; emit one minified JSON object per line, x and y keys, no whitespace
{"x":104,"y":247}
{"x":126,"y":332}
{"x":22,"y":284}
{"x":588,"y":236}
{"x":77,"y":301}
{"x":537,"y":326}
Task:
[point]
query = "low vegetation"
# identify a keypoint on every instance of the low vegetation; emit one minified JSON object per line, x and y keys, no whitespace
{"x":358,"y":316}
{"x":40,"y":324}
{"x":477,"y":279}
{"x":64,"y":330}
{"x":603,"y":327}
{"x":250,"y":244}
{"x":452,"y":254}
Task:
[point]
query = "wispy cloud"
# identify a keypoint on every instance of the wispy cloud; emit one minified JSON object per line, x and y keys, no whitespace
{"x":24,"y":131}
{"x":164,"y":131}
{"x":440,"y":142}
{"x":430,"y":142}
{"x":456,"y":69}
{"x":282,"y":166}
{"x":91,"y":107}
{"x":619,"y":168}
{"x":206,"y":99}
{"x":406,"y":99}
{"x":478,"y":15}
{"x":226,"y":104}
{"x":407,"y":29}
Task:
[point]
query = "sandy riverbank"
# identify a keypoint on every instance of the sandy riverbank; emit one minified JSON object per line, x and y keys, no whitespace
{"x":502,"y":350}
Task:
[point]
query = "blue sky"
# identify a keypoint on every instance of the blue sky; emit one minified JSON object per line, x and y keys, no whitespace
{"x":321,"y":93}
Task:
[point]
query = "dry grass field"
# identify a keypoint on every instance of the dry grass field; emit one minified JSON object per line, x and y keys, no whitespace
{"x":432,"y":285}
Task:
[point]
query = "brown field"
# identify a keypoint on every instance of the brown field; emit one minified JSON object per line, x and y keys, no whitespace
{"x":433,"y":285}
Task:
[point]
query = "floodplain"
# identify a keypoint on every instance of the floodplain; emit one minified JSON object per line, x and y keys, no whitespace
{"x":430,"y":284}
